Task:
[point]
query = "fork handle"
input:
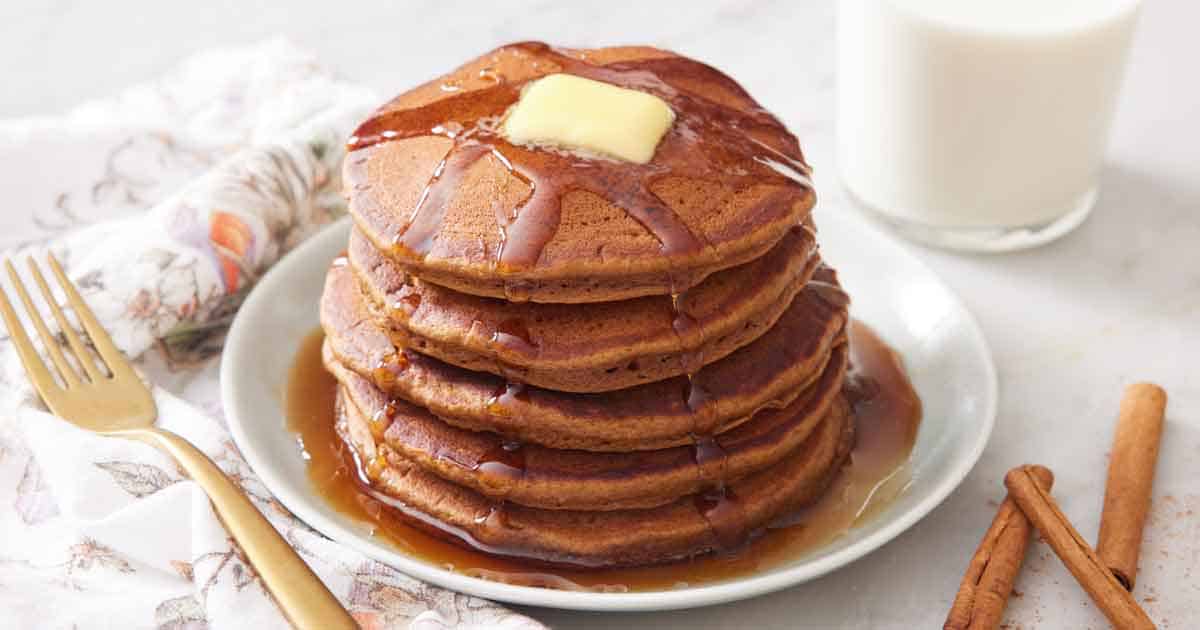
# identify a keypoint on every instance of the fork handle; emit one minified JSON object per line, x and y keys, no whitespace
{"x":298,"y":591}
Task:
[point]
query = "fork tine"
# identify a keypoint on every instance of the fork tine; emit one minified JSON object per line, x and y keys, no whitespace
{"x":77,"y":348}
{"x":69,"y":377}
{"x":42,"y":379}
{"x":117,"y":364}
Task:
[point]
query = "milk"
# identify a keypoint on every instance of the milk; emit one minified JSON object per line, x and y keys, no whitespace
{"x":978,"y":123}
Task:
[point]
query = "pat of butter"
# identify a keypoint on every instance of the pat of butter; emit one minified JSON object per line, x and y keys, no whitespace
{"x":577,"y":113}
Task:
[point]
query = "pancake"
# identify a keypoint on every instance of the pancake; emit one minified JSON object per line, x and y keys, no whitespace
{"x":690,"y":526}
{"x":433,"y":185}
{"x":597,"y":347}
{"x":769,"y":372}
{"x":536,"y":476}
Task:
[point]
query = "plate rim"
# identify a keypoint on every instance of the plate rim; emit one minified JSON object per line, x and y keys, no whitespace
{"x":236,"y":345}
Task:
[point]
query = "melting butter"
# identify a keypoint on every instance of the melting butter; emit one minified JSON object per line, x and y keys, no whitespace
{"x":572,"y":112}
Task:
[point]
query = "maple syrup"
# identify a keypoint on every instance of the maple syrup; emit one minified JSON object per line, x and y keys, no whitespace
{"x":505,"y":396}
{"x":408,"y":303}
{"x":888,"y":414}
{"x":709,"y":140}
{"x":512,"y":334}
{"x":506,"y":460}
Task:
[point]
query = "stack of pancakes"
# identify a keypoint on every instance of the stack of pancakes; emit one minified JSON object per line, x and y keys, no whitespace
{"x":574,"y":359}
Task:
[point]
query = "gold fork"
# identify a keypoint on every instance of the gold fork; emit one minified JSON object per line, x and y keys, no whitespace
{"x":116,"y":403}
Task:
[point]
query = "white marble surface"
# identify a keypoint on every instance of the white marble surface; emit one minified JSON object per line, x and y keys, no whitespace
{"x":1069,"y":324}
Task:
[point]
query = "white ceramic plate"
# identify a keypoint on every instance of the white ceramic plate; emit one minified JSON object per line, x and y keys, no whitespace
{"x":946,"y":355}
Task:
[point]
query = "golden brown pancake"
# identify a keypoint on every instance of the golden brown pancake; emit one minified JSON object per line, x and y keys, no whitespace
{"x":433,"y":185}
{"x":690,"y":526}
{"x":595,"y":347}
{"x":769,"y":372}
{"x":536,"y":476}
{"x":575,"y":359}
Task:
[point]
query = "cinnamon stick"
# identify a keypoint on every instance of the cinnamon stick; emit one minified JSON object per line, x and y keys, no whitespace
{"x":1081,"y":560}
{"x":989,"y":579}
{"x":1131,"y":480}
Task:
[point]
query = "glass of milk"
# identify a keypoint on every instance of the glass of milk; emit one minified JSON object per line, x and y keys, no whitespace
{"x":978,"y":124}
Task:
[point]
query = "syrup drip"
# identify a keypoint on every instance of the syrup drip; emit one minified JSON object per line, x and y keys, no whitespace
{"x":409,"y":303}
{"x":506,"y":460}
{"x":387,"y":370}
{"x":888,"y":416}
{"x":698,"y":400}
{"x":375,"y":467}
{"x":382,"y":419}
{"x":496,"y":518}
{"x":718,"y":505}
{"x":725,"y":517}
{"x":513,"y":334}
{"x":711,"y":459}
{"x":683,"y":324}
{"x":695,"y":395}
{"x":428,"y":216}
{"x":708,"y":140}
{"x":505,"y":396}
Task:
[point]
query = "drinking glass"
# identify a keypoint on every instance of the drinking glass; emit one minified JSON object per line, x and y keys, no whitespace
{"x":978,"y":124}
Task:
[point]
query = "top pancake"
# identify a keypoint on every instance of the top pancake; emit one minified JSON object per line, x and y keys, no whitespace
{"x":432,"y":184}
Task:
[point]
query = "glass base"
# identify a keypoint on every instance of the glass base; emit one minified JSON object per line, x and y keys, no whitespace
{"x":988,"y":239}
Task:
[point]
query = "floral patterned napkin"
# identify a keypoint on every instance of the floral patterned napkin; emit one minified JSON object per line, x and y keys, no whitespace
{"x":165,"y":204}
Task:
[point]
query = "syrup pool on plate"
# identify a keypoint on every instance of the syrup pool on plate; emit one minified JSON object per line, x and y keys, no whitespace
{"x":888,"y":414}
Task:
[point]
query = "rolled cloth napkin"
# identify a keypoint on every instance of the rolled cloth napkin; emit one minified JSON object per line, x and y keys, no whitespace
{"x":165,"y":204}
